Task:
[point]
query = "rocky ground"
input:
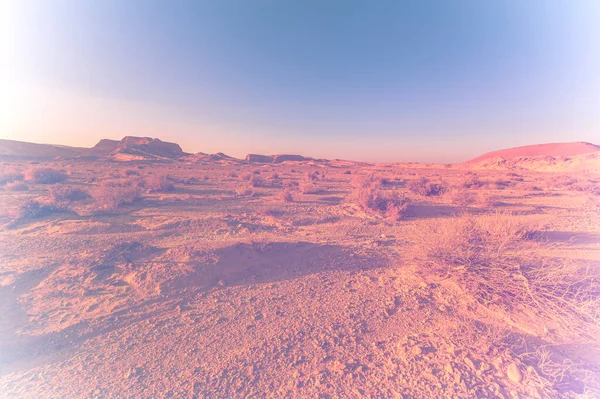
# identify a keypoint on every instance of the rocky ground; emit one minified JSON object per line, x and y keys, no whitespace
{"x":244,"y":280}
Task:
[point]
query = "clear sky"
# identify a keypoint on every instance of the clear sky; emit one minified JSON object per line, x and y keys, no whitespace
{"x":379,"y":80}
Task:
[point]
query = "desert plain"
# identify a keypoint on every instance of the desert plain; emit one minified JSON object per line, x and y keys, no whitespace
{"x":132,"y":273}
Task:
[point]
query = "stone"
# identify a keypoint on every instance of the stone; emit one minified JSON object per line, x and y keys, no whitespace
{"x":513,"y":373}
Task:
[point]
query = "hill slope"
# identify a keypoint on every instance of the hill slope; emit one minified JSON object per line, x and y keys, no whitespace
{"x":551,"y":149}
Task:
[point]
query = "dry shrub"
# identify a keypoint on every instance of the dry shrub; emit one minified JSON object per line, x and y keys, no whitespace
{"x":16,"y":186}
{"x":34,"y":209}
{"x":472,"y":181}
{"x":66,"y":194}
{"x":563,"y":181}
{"x":244,"y":191}
{"x":530,"y":187}
{"x":495,"y":258}
{"x":309,"y":188}
{"x":315,"y":176}
{"x":488,"y":200}
{"x":461,"y":196}
{"x":422,"y":186}
{"x":371,"y":197}
{"x":44,"y":175}
{"x":131,"y":172}
{"x":158,"y":184}
{"x":256,"y":181}
{"x":285,"y":195}
{"x":109,"y":196}
{"x":10,"y":176}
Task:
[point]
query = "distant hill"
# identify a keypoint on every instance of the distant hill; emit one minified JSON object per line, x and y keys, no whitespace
{"x":538,"y":150}
{"x":136,"y":148}
{"x":279,"y":158}
{"x":22,"y":150}
{"x":127,"y":149}
{"x":554,"y":157}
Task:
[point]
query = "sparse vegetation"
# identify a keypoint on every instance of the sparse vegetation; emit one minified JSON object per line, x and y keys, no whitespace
{"x":16,"y":186}
{"x":158,"y":184}
{"x":110,"y":196}
{"x":498,"y":260}
{"x":35,"y":209}
{"x":461,"y":196}
{"x":10,"y":176}
{"x":371,"y":197}
{"x":67,"y":193}
{"x":44,"y":175}
{"x":422,"y":186}
{"x":244,"y":190}
{"x":286,"y":195}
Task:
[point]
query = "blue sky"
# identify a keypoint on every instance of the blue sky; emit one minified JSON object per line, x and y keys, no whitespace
{"x":367,"y":80}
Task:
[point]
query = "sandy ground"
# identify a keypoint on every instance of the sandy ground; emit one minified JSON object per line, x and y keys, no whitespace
{"x":204,"y":292}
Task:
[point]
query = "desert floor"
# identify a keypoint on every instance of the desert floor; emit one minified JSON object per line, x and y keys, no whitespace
{"x":233,"y":281}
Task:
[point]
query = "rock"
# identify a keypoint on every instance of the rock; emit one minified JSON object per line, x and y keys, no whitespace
{"x":513,"y":373}
{"x":469,"y":363}
{"x":276,"y":158}
{"x":259,"y":158}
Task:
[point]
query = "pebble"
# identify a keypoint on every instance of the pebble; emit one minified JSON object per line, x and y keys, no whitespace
{"x":513,"y":373}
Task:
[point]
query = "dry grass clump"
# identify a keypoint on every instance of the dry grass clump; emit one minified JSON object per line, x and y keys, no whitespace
{"x":309,"y":188}
{"x":461,"y":196}
{"x":285,"y":195}
{"x":244,"y":191}
{"x":158,"y":184}
{"x":10,"y":176}
{"x":35,"y":209}
{"x":256,"y":181}
{"x":66,"y":194}
{"x":495,"y":258}
{"x":109,"y":196}
{"x":488,"y":200}
{"x":315,"y":176}
{"x":472,"y":181}
{"x":371,"y":197}
{"x":44,"y":175}
{"x":16,"y":186}
{"x":131,"y":172}
{"x":422,"y":186}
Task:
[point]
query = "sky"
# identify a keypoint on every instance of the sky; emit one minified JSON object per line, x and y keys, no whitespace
{"x":382,"y":81}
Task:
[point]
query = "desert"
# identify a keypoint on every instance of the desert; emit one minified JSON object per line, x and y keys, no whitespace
{"x":133,"y":269}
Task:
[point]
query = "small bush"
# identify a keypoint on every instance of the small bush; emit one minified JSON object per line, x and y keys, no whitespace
{"x":309,"y":188}
{"x":315,"y":176}
{"x":158,"y":184}
{"x":461,"y":197}
{"x":44,"y":176}
{"x":33,"y":209}
{"x":244,"y":191}
{"x":472,"y":181}
{"x":426,"y":188}
{"x":256,"y":181}
{"x":496,"y":258}
{"x":131,"y":172}
{"x":10,"y":176}
{"x":65,"y":194}
{"x":17,"y":186}
{"x":109,"y":197}
{"x":488,"y":200}
{"x":371,"y":197}
{"x":286,"y":195}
